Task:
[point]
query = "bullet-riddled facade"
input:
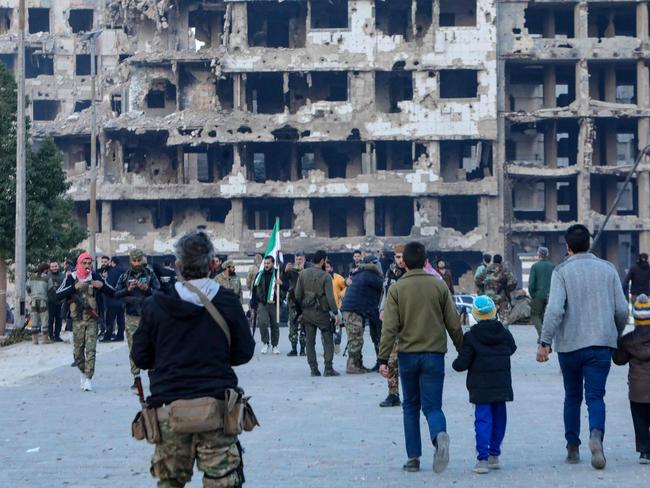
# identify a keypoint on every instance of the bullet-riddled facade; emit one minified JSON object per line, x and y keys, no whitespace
{"x":470,"y":125}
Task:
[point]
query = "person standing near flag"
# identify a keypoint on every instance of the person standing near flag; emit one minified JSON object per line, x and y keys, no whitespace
{"x":263,"y":301}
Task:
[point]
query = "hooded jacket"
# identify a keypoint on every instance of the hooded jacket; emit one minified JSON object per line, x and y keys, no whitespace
{"x":639,"y":278}
{"x":634,"y":347}
{"x":185,"y":350}
{"x":364,"y":294}
{"x":485,"y":355}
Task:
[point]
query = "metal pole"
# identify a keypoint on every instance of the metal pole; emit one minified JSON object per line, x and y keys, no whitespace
{"x":614,"y":206}
{"x":21,"y":198}
{"x":92,"y":219}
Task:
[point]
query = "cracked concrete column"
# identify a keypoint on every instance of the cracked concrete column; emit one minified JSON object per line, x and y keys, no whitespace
{"x":581,"y":20}
{"x":235,"y":220}
{"x":550,"y":161}
{"x":584,"y":162}
{"x":643,"y":177}
{"x":369,"y":217}
{"x":642,"y":21}
{"x":610,"y":83}
{"x":107,"y":226}
{"x":303,"y":222}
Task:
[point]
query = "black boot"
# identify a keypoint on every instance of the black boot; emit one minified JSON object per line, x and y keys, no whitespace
{"x":302,"y":350}
{"x":315,"y":372}
{"x":330,"y":371}
{"x":293,"y":351}
{"x":391,"y":401}
{"x":572,"y":454}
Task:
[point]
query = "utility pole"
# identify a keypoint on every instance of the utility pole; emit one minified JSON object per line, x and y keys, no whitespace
{"x":92,"y":218}
{"x":21,"y":198}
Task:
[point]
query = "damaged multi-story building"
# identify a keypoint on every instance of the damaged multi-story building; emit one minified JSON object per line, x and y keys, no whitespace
{"x":360,"y":123}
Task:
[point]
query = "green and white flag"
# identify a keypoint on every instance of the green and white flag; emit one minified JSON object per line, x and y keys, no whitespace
{"x":273,"y":249}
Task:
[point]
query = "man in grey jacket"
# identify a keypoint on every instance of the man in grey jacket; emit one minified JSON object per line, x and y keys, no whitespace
{"x":586,"y":313}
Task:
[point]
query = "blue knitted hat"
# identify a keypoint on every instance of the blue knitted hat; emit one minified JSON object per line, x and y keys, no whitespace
{"x":483,"y":308}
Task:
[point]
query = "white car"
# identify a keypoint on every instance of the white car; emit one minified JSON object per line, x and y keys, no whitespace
{"x":463,"y":304}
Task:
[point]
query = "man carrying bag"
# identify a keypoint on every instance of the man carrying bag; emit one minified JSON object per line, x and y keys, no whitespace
{"x":189,"y":341}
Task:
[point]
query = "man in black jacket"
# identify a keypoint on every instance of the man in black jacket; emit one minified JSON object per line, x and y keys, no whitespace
{"x":263,"y":302}
{"x":188,"y":356}
{"x":639,"y":277}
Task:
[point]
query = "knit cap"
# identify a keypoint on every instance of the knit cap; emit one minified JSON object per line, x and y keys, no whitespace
{"x":641,"y":311}
{"x":483,"y":308}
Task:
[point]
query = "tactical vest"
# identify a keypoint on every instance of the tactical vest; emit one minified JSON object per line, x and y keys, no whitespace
{"x":83,"y":303}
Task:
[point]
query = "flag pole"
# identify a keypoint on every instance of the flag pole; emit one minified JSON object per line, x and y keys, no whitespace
{"x":277,"y":293}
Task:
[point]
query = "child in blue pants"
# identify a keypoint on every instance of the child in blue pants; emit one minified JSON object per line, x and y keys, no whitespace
{"x":485,"y":355}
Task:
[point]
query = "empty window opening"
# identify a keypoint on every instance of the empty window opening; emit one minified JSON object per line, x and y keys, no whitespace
{"x":38,"y":64}
{"x":196,"y":84}
{"x":549,"y":21}
{"x":392,"y":87}
{"x":528,"y":200}
{"x":162,"y":96}
{"x":332,"y":14}
{"x":609,"y":21}
{"x":336,"y":218}
{"x":317,"y":86}
{"x":265,"y":93}
{"x":81,"y":105}
{"x":277,"y":24}
{"x":269,"y":161}
{"x":457,"y":13}
{"x":394,"y":216}
{"x":206,"y":28}
{"x":465,"y":160}
{"x":116,"y":104}
{"x":39,"y":20}
{"x":566,"y":137}
{"x":616,"y":142}
{"x":613,"y":82}
{"x":567,"y":201}
{"x":226,"y":92}
{"x":261,"y":213}
{"x":604,"y":189}
{"x":82,"y":65}
{"x":124,"y":57}
{"x":458,"y":83}
{"x":459,"y":213}
{"x":394,"y":155}
{"x":45,"y":109}
{"x":6,"y":14}
{"x":9,"y":60}
{"x":526,"y":86}
{"x":423,"y":17}
{"x":393,"y":18}
{"x":525,"y":144}
{"x":336,"y":161}
{"x":81,"y":20}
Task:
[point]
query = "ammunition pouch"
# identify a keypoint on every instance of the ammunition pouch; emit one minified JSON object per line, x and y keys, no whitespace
{"x":194,"y":416}
{"x":145,"y":426}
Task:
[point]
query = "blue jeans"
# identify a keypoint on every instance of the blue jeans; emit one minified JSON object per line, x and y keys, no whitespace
{"x":490,"y":427}
{"x":589,"y":367}
{"x":422,"y":375}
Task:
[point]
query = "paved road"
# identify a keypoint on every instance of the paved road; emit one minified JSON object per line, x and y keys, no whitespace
{"x":315,"y":432}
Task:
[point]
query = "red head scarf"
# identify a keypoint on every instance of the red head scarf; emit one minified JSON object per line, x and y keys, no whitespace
{"x":82,"y":274}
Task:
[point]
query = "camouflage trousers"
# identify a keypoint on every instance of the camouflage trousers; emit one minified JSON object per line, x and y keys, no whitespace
{"x":39,"y":322}
{"x":354,"y":330}
{"x":501,"y":302}
{"x":217,"y":455}
{"x":296,"y":333}
{"x":132,"y":322}
{"x":84,"y":338}
{"x":393,"y":372}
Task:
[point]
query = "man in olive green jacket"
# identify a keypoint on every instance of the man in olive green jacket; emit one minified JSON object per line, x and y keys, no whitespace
{"x":539,"y":288}
{"x":419,"y":313}
{"x":315,"y":294}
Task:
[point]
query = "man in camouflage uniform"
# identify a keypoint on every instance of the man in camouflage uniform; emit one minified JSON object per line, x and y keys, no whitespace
{"x":289,"y":281}
{"x":228,"y":279}
{"x":394,"y":273}
{"x":37,"y":288}
{"x":499,"y":282}
{"x":135,"y":286}
{"x":80,"y":289}
{"x":315,"y":294}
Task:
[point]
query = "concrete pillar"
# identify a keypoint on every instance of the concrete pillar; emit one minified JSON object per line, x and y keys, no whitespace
{"x":610,"y":83}
{"x":303,"y":218}
{"x":580,"y":20}
{"x":180,"y":166}
{"x":237,"y":157}
{"x":610,"y":143}
{"x":611,"y":248}
{"x":369,"y":217}
{"x":369,"y":160}
{"x":235,"y":220}
{"x":643,"y":126}
{"x":433,"y":149}
{"x":107,"y":226}
{"x":582,"y":85}
{"x":642,"y":21}
{"x":584,"y":162}
{"x":549,"y":86}
{"x":238,"y":39}
{"x":549,"y":24}
{"x":293,"y":163}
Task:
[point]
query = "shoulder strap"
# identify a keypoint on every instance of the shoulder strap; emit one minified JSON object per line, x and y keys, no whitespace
{"x":212,"y":310}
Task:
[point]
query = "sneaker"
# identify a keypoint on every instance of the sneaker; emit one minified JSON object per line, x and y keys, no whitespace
{"x":82,"y":381}
{"x":481,"y":467}
{"x":265,"y":349}
{"x":572,"y":454}
{"x":276,"y":350}
{"x":391,"y":401}
{"x":596,"y":446}
{"x":441,"y":457}
{"x":412,"y":465}
{"x":292,"y":353}
{"x":88,"y":386}
{"x":315,"y":372}
{"x":331,"y":372}
{"x":493,"y":462}
{"x":644,"y":458}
